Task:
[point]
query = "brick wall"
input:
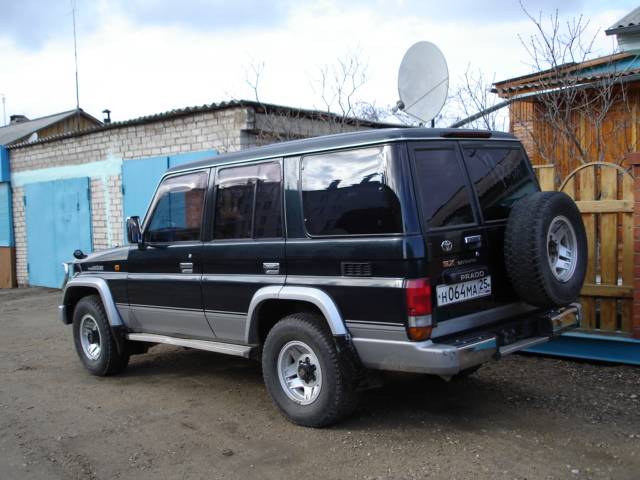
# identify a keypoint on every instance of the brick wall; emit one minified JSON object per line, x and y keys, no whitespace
{"x":20,"y":235}
{"x":634,"y":160}
{"x":218,"y":130}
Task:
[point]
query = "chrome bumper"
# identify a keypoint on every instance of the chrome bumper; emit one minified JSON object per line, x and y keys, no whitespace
{"x":453,"y":357}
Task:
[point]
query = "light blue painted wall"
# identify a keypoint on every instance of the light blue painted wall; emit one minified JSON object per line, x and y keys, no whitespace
{"x":58,"y":220}
{"x":4,"y":164}
{"x":6,"y":216}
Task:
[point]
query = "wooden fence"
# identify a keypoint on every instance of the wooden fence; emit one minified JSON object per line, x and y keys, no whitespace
{"x":604,"y":195}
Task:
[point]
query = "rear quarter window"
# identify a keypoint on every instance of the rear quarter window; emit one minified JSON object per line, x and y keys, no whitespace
{"x":347,"y":193}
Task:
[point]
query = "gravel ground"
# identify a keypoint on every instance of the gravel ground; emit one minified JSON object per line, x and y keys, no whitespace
{"x":178,"y":413}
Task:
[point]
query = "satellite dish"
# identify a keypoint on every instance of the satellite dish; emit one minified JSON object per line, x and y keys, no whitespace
{"x":423,"y":81}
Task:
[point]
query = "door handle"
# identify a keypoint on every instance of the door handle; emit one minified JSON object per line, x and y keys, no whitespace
{"x":472,"y":239}
{"x":271,"y":268}
{"x":186,"y":267}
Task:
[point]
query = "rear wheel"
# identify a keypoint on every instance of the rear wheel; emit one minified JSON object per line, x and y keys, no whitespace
{"x":94,"y":340}
{"x":308,"y":379}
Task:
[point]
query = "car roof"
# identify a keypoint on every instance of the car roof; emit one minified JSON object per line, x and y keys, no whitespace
{"x":344,"y":140}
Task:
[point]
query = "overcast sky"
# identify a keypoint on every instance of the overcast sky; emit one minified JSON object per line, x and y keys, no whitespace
{"x":139,"y":57}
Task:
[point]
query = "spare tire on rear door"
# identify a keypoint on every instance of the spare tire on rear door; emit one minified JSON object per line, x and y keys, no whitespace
{"x":545,"y":249}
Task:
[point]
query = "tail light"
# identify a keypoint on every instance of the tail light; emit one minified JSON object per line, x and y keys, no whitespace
{"x":419,"y":323}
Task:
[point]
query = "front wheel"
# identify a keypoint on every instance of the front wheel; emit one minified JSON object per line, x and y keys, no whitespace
{"x":94,"y":339}
{"x":308,"y":379}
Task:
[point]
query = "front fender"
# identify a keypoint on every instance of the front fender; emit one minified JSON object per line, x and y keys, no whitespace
{"x":99,"y":285}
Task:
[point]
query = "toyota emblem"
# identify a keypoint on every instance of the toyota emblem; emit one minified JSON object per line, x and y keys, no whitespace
{"x":447,"y":245}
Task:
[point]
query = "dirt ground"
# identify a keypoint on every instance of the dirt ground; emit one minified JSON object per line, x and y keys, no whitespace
{"x":178,"y":414}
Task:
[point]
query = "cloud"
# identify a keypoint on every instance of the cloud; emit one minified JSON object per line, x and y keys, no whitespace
{"x":32,"y":23}
{"x":207,"y":15}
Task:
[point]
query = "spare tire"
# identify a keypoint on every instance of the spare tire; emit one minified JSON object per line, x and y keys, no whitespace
{"x":545,"y":249}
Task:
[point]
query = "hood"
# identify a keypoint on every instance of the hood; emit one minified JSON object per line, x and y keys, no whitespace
{"x":105,"y":260}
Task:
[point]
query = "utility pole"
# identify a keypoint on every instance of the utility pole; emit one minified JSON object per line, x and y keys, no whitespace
{"x":75,"y":54}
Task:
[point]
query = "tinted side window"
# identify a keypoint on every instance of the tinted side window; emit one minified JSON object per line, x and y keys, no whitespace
{"x":443,"y":194}
{"x":177,"y":215}
{"x":347,"y":193}
{"x":501,"y":177}
{"x":249,"y":202}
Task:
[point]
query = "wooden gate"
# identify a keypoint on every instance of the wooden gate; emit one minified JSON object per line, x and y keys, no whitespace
{"x":604,"y":195}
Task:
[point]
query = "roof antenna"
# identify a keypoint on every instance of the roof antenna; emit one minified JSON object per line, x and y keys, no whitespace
{"x":75,"y":52}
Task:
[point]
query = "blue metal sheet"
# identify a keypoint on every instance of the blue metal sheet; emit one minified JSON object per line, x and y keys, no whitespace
{"x":4,"y":164}
{"x":605,"y":348}
{"x":6,"y":216}
{"x":140,"y":179}
{"x":58,"y":219}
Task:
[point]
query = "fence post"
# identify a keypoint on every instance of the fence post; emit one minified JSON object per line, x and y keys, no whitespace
{"x":546,"y":177}
{"x":634,"y":162}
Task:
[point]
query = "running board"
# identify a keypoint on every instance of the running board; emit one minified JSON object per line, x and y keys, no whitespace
{"x":217,"y":347}
{"x":517,"y":346}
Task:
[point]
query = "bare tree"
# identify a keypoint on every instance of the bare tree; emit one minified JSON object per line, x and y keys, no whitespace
{"x":473,"y":97}
{"x":337,"y":87}
{"x":252,"y":76}
{"x":568,"y":100}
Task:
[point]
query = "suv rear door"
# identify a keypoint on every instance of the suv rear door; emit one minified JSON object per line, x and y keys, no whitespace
{"x":456,"y":245}
{"x":465,"y":252}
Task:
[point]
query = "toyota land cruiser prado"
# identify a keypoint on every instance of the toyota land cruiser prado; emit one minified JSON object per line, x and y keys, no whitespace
{"x":414,"y":250}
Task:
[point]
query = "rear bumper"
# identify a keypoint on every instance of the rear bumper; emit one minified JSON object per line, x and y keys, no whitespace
{"x":455,"y":355}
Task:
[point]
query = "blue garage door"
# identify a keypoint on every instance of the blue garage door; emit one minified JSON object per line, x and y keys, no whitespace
{"x":140,"y":179}
{"x":58,"y":217}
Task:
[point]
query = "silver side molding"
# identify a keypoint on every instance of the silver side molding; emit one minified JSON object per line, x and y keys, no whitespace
{"x":100,"y":285}
{"x":217,"y":347}
{"x":304,"y":294}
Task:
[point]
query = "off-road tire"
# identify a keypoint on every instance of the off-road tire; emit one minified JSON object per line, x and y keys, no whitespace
{"x":338,"y":397}
{"x":526,"y":250}
{"x":110,"y":360}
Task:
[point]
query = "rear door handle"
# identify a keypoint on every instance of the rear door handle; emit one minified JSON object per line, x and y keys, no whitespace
{"x":473,"y":239}
{"x":186,"y":267}
{"x":271,"y":268}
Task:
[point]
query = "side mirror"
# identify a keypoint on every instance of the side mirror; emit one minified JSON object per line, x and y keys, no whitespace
{"x":134,"y":235}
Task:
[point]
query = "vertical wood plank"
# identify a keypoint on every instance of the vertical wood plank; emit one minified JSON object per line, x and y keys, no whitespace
{"x":587,"y":179}
{"x":608,"y":247}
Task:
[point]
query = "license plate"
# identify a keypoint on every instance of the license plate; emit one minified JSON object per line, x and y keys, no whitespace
{"x":461,"y":292}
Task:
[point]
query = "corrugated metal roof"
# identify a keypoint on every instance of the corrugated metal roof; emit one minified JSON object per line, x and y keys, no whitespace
{"x":18,"y":131}
{"x":258,"y":106}
{"x":612,"y":66}
{"x":629,"y":23}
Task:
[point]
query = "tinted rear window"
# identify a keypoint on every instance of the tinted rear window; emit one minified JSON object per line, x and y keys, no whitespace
{"x":501,"y":177}
{"x":442,"y":190}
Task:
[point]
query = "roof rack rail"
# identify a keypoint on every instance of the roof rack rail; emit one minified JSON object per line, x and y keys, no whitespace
{"x":466,"y":134}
